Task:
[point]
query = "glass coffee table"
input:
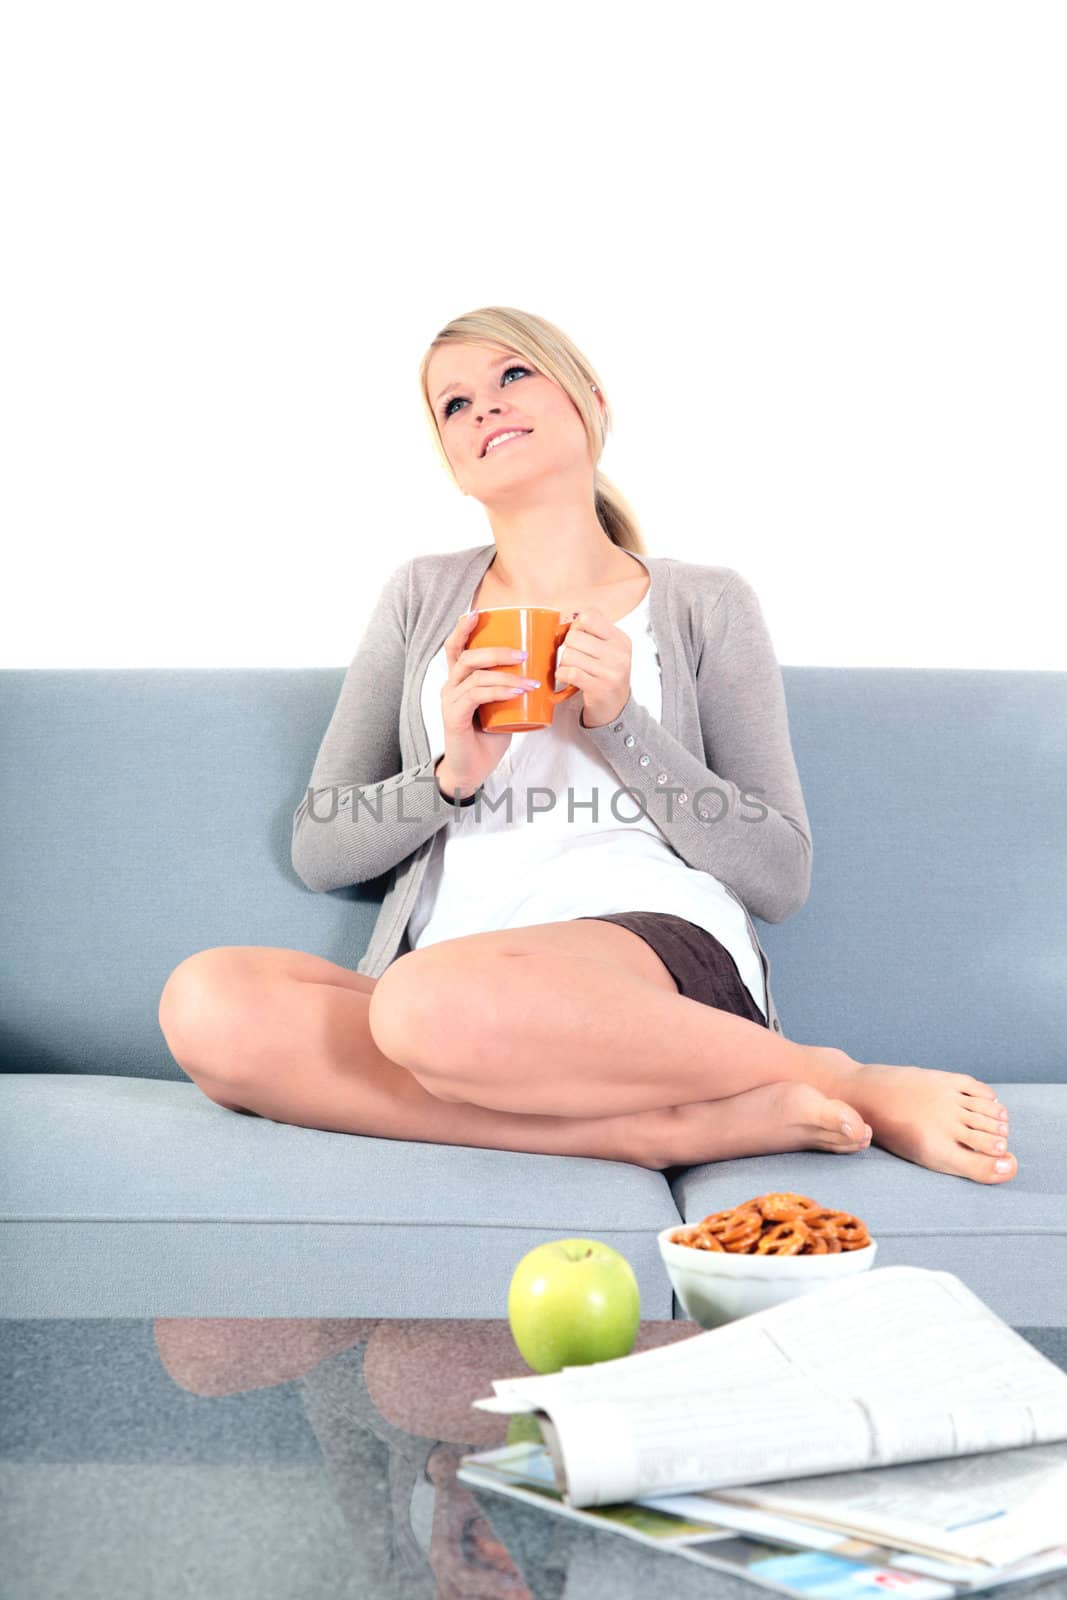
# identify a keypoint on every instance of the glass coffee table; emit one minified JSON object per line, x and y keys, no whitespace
{"x":286,"y":1458}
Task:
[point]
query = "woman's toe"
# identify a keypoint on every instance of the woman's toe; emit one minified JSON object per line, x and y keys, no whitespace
{"x":981,"y":1091}
{"x":987,"y":1141}
{"x":981,"y":1168}
{"x":987,"y":1104}
{"x":843,"y":1126}
{"x":984,"y":1124}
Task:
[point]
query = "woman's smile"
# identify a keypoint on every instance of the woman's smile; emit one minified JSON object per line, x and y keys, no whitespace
{"x":503,"y":443}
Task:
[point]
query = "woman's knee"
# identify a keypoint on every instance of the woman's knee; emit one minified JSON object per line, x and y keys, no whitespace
{"x":203,"y":1008}
{"x":424,"y":1011}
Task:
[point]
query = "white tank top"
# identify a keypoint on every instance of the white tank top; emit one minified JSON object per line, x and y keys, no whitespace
{"x":541,"y":867}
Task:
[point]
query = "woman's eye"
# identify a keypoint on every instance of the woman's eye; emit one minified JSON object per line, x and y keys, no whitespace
{"x":447,"y":410}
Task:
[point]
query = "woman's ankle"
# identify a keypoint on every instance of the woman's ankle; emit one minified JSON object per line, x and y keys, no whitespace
{"x":832,"y":1070}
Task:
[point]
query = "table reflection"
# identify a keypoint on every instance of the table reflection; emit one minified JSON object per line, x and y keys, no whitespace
{"x":390,"y":1404}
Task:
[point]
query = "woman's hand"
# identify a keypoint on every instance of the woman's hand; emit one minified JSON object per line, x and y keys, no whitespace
{"x":471,"y":753}
{"x":598,"y":656}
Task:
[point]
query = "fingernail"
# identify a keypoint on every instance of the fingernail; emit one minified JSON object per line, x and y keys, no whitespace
{"x":846,"y":1129}
{"x":1001,"y":1144}
{"x":1002,"y":1166}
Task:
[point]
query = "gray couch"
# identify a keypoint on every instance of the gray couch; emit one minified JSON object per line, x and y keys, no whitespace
{"x":147,"y":815}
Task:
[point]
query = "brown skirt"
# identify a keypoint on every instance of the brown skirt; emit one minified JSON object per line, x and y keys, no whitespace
{"x":702,"y":968}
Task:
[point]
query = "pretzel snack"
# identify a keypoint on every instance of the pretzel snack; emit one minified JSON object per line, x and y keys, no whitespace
{"x":784,"y":1239}
{"x":737,"y":1230}
{"x":776,"y":1224}
{"x":784,"y":1207}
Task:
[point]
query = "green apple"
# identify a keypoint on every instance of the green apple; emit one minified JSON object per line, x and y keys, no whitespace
{"x":572,"y":1302}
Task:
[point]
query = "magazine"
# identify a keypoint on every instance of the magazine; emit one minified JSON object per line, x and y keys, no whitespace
{"x":779,"y":1553}
{"x":899,"y":1365}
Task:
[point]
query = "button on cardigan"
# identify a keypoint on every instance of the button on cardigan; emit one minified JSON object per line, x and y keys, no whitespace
{"x":720,"y":780}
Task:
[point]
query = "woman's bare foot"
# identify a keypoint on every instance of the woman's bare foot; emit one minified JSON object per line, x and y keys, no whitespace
{"x":763,"y":1121}
{"x":946,"y":1121}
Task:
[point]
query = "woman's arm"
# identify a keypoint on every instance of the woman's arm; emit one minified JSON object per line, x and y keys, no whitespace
{"x":759,"y":845}
{"x":337,"y":837}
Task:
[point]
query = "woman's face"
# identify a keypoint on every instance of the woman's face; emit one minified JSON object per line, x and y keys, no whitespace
{"x":487,"y":388}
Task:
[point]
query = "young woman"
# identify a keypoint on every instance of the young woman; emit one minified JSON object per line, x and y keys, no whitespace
{"x":575,"y":978}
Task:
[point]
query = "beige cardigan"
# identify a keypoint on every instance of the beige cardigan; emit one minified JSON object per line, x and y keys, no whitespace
{"x":716,"y":774}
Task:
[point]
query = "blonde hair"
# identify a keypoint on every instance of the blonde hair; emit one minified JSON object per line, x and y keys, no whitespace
{"x":552,"y":353}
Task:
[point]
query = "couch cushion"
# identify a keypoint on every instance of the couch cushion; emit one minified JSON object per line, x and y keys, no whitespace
{"x":934,"y":931}
{"x":149,"y":815}
{"x":174,"y":836}
{"x":137,"y":1197}
{"x":1007,"y":1242}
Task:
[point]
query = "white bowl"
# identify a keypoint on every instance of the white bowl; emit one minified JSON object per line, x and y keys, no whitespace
{"x":716,"y":1287}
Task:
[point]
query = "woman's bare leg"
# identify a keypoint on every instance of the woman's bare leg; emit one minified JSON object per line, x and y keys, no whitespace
{"x":550,"y":1020}
{"x":283,"y":1034}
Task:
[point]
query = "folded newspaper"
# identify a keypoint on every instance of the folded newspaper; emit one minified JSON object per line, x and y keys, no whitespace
{"x":773,"y":1551}
{"x":899,"y":1365}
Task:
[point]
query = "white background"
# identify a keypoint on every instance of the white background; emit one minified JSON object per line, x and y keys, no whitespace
{"x":815,"y":251}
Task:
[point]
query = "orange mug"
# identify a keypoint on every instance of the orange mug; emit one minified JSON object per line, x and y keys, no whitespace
{"x":539,"y":631}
